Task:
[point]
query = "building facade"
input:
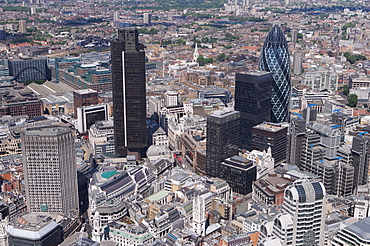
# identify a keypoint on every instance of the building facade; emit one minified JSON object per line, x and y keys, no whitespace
{"x":321,"y":79}
{"x":253,"y":100}
{"x":88,"y":115}
{"x":270,"y":135}
{"x":239,"y":173}
{"x":223,"y":139}
{"x":129,"y":93}
{"x":49,"y":159}
{"x":85,"y":97}
{"x":275,"y":59}
{"x":29,"y":70}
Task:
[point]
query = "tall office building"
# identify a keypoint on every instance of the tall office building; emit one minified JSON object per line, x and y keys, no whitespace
{"x":294,"y":34}
{"x":223,"y":139}
{"x":253,"y":100}
{"x":361,"y":158}
{"x":49,"y":159}
{"x":129,"y":98}
{"x":297,"y":62}
{"x":297,"y":130}
{"x":22,"y":26}
{"x":303,"y":220}
{"x":275,"y":59}
{"x":147,"y":19}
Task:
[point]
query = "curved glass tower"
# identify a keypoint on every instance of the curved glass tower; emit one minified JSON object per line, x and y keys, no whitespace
{"x":275,"y":59}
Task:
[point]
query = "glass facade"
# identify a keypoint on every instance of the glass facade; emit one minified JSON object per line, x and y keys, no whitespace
{"x":275,"y":59}
{"x":129,"y":98}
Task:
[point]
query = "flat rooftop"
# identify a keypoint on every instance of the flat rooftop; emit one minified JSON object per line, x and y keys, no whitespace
{"x":85,"y":91}
{"x":271,"y":127}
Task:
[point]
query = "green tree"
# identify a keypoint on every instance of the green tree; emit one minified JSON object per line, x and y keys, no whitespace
{"x":221,"y":57}
{"x":345,"y":90}
{"x":352,"y":100}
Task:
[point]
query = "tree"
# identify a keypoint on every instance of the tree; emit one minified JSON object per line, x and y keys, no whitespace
{"x":352,"y":100}
{"x":221,"y":57}
{"x":345,"y":90}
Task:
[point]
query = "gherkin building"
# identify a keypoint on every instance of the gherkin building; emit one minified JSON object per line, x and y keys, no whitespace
{"x":275,"y":59}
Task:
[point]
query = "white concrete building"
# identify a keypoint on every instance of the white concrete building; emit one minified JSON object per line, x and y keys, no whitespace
{"x":160,"y":137}
{"x":88,"y":115}
{"x":49,"y":162}
{"x":303,"y":218}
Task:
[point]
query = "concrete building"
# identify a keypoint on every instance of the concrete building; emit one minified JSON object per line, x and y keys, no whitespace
{"x":298,"y":59}
{"x":89,"y":115}
{"x":357,"y":234}
{"x":49,"y":158}
{"x":321,"y":79}
{"x":147,"y":19}
{"x":22,"y":26}
{"x":35,"y":229}
{"x":85,"y":97}
{"x":357,"y":81}
{"x":303,"y":218}
{"x":101,"y":137}
{"x":160,"y":137}
{"x":172,"y":98}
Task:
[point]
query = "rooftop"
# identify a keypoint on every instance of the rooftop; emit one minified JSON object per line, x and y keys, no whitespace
{"x":85,"y":91}
{"x":271,"y":127}
{"x":158,"y":196}
{"x":361,"y":228}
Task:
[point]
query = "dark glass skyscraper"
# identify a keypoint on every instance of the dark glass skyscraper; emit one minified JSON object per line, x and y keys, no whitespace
{"x":129,"y":99}
{"x":223,"y":139}
{"x":253,"y":100}
{"x":275,"y":59}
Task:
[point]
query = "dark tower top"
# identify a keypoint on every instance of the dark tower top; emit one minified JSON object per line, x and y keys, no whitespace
{"x":275,"y":59}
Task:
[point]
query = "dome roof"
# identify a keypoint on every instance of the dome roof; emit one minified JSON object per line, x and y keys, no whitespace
{"x":276,"y":36}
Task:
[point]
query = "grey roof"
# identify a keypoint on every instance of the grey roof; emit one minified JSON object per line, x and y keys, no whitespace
{"x":361,"y":228}
{"x":324,"y":129}
{"x":30,"y":233}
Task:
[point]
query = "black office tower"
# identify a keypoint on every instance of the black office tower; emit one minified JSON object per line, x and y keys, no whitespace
{"x":223,"y":139}
{"x":360,"y":153}
{"x":253,"y":100}
{"x":271,"y":135}
{"x":129,"y":99}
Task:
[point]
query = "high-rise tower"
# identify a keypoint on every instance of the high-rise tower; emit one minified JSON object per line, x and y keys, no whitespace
{"x":253,"y":100}
{"x":223,"y":139}
{"x":129,"y":99}
{"x":49,"y":159}
{"x":275,"y":59}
